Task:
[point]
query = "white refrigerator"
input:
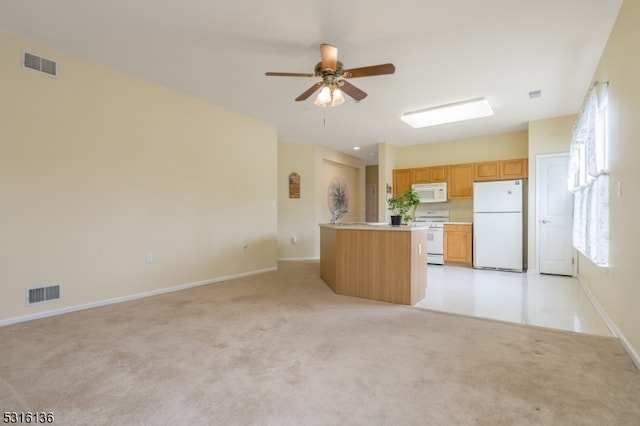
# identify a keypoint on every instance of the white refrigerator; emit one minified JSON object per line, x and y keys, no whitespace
{"x":498,"y":227}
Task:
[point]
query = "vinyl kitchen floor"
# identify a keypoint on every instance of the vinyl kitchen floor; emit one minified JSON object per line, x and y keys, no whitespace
{"x":543,"y":300}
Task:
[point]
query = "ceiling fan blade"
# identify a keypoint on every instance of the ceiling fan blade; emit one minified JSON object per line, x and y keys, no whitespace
{"x":288,"y":74}
{"x":309,"y":92}
{"x":369,"y":71}
{"x":352,"y":90}
{"x":329,"y":56}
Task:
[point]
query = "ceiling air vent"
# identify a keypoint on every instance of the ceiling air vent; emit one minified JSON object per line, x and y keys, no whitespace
{"x":535,"y":94}
{"x":43,"y":294}
{"x":40,"y":64}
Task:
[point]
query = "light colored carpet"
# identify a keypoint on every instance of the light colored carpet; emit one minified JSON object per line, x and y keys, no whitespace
{"x":281,"y":348}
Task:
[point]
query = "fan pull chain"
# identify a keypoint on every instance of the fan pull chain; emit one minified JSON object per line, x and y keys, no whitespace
{"x":324,"y":117}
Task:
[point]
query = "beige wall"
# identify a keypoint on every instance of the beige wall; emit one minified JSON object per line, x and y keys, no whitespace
{"x":352,"y":170}
{"x":548,"y":136}
{"x":296,"y":216}
{"x":387,"y":160}
{"x":617,"y":288}
{"x":299,"y":218}
{"x":98,"y":168}
{"x":493,"y":147}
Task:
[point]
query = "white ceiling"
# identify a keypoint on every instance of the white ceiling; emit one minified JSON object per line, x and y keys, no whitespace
{"x":444,"y":52}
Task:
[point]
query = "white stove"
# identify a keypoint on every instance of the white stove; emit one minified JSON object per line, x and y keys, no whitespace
{"x":435,"y":220}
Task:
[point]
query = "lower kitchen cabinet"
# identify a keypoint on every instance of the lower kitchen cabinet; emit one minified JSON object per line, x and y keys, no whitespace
{"x":458,"y":244}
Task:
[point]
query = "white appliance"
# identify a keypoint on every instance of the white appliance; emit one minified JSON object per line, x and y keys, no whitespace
{"x":431,"y":192}
{"x":498,"y":226}
{"x":435,"y":220}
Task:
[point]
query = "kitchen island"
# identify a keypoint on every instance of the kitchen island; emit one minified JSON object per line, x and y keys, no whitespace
{"x":374,"y":261}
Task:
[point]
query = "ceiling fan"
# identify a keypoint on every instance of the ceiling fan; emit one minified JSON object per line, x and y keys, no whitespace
{"x":334,"y":77}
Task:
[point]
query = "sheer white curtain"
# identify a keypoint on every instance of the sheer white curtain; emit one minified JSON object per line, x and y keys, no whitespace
{"x":588,"y":179}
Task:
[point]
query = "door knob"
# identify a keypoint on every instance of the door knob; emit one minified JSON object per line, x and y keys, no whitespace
{"x":545,"y":221}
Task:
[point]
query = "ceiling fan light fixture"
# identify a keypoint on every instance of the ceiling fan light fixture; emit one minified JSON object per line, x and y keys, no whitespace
{"x":334,"y":76}
{"x":324,"y":97}
{"x":460,"y":111}
{"x":329,"y":95}
{"x":336,"y":97}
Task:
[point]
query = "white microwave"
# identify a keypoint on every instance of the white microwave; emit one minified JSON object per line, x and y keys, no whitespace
{"x":431,"y":192}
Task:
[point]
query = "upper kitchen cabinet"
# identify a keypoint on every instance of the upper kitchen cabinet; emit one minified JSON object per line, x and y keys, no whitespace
{"x":502,"y":169}
{"x":514,"y":169}
{"x":420,"y":175}
{"x":486,"y":170}
{"x":460,"y":182}
{"x":429,"y":174}
{"x":438,"y":174}
{"x":460,"y":177}
{"x":402,"y":179}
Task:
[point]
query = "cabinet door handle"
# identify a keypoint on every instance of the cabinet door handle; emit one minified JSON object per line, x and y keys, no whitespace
{"x":545,"y":221}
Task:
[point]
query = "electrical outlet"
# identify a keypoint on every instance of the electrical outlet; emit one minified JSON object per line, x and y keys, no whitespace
{"x":294,"y":240}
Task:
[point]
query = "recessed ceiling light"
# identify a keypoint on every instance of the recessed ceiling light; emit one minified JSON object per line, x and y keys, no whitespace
{"x":450,"y":113}
{"x":355,"y":148}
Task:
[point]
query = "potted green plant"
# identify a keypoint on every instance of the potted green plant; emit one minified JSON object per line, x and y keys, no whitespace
{"x":403,"y":207}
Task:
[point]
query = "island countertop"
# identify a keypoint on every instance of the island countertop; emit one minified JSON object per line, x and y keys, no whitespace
{"x":373,"y":226}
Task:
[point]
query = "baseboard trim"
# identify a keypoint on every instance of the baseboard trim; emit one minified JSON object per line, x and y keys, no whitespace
{"x":610,"y":323}
{"x":114,"y":300}
{"x":297,"y":259}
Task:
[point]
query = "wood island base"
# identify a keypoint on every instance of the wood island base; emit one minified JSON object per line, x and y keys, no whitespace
{"x":384,"y":263}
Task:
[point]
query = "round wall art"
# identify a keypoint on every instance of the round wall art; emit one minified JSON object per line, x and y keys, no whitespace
{"x":338,"y":196}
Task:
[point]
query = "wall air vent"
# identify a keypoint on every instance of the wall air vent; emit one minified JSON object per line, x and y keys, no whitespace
{"x":43,"y":294}
{"x":40,"y":64}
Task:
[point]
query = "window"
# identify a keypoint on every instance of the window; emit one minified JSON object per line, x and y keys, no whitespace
{"x":588,"y":177}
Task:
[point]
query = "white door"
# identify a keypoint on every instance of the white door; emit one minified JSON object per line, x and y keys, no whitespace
{"x":555,"y":215}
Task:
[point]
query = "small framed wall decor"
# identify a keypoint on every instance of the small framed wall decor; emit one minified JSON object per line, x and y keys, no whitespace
{"x":294,"y":185}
